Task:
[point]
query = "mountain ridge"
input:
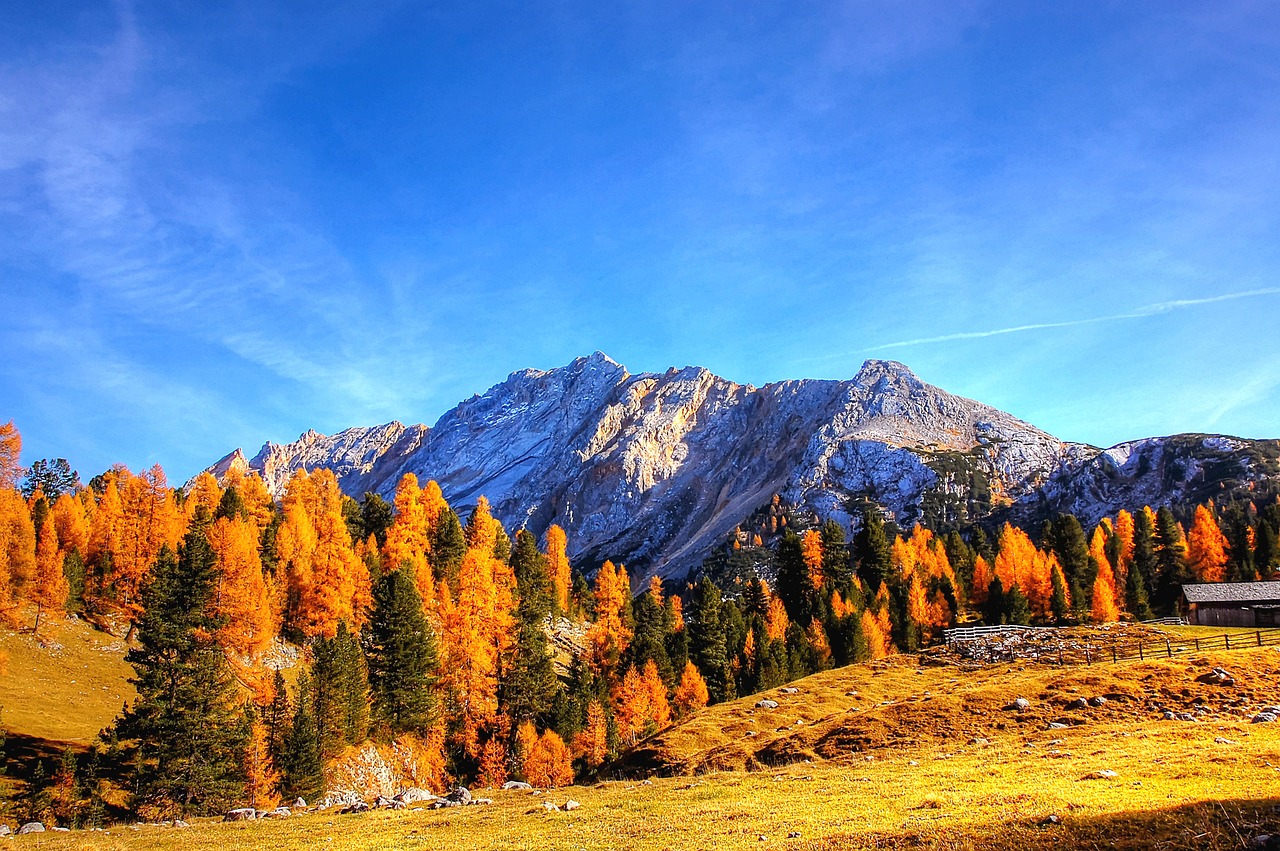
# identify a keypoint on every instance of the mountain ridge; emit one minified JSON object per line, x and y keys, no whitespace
{"x":657,"y":469}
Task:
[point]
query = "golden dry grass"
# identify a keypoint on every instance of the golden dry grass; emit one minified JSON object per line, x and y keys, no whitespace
{"x":66,"y":687}
{"x":919,"y":757}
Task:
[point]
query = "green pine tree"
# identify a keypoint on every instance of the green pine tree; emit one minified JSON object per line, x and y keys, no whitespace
{"x":448,"y":546}
{"x":1144,"y":551}
{"x":376,"y":515}
{"x":707,"y":641}
{"x":871,"y":546}
{"x":402,"y":657}
{"x":340,"y":683}
{"x":793,"y":579}
{"x":836,"y":565}
{"x":1171,"y":563}
{"x":185,"y":720}
{"x":1017,"y":609}
{"x":530,"y":688}
{"x":301,"y":766}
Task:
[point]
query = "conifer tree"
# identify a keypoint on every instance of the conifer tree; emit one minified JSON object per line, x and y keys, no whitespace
{"x":277,"y":717}
{"x":448,"y":546}
{"x":836,"y":566}
{"x":301,"y":765}
{"x":402,"y":657}
{"x":793,"y":579}
{"x":1239,"y":534}
{"x":1135,"y":593}
{"x":340,"y":684}
{"x":184,"y":720}
{"x":707,"y":640}
{"x":1060,"y":599}
{"x":531,"y":686}
{"x":1144,"y":550}
{"x":871,"y":546}
{"x":375,"y":517}
{"x":1171,"y":560}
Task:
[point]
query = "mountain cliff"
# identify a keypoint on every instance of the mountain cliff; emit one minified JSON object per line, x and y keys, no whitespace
{"x":655,"y":470}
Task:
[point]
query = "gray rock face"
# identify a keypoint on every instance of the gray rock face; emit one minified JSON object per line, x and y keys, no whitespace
{"x":241,"y":814}
{"x":31,"y":827}
{"x":655,"y":470}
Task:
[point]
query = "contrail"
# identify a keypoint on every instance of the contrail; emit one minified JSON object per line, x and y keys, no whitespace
{"x":1138,"y":313}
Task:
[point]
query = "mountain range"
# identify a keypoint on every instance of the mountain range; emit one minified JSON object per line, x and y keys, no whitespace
{"x":657,"y":470}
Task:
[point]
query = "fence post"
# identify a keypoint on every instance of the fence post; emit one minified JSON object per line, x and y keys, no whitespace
{"x":1113,"y":654}
{"x":1060,"y":662}
{"x":1259,"y":638}
{"x":1227,"y":638}
{"x":1141,"y":658}
{"x":1087,"y":659}
{"x":1168,"y":648}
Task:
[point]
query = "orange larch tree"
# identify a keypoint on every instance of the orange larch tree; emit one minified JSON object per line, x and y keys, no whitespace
{"x":550,"y":764}
{"x":1104,"y":608}
{"x":1206,"y":547}
{"x":470,"y":670}
{"x":49,"y":590}
{"x":558,"y":568}
{"x":242,"y":597}
{"x":776,"y":621}
{"x":1124,"y":531}
{"x":408,"y":538}
{"x":877,"y":638}
{"x":17,"y":546}
{"x":691,"y":694}
{"x":811,"y":549}
{"x":592,"y":743}
{"x":609,"y":636}
{"x":327,"y":583}
{"x":205,"y":491}
{"x":630,"y":706}
{"x":10,"y":452}
{"x":71,"y":524}
{"x":261,"y":779}
{"x":659,"y":707}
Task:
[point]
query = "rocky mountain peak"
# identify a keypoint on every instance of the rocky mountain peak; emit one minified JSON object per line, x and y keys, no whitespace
{"x":657,"y":469}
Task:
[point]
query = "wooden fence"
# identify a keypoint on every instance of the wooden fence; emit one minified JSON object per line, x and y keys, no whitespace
{"x":1074,"y":652}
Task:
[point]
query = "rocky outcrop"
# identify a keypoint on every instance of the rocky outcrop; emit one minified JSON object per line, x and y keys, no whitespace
{"x":655,"y":470}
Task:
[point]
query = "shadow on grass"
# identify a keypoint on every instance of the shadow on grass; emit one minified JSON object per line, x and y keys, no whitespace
{"x":1210,"y":825}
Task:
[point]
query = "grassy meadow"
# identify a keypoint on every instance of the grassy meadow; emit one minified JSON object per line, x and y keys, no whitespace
{"x":881,"y":755}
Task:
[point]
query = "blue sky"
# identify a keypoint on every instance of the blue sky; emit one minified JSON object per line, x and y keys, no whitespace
{"x":223,"y":223}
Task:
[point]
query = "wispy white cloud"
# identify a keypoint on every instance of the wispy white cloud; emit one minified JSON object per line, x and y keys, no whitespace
{"x":1142,"y":312}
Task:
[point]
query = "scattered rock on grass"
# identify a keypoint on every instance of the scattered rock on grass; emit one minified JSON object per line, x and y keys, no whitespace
{"x":516,"y":786}
{"x":789,"y":690}
{"x":1098,"y":701}
{"x":1020,"y":705}
{"x":571,"y":805}
{"x":31,"y":827}
{"x":766,"y":704}
{"x":1101,"y":774}
{"x":241,"y":814}
{"x":1078,"y":703}
{"x":414,"y":795}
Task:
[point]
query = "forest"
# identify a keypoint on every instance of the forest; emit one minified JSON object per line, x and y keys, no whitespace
{"x":271,"y":639}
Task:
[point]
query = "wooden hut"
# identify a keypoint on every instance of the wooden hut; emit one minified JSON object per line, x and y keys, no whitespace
{"x":1254,"y":604}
